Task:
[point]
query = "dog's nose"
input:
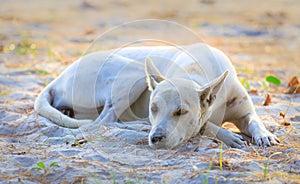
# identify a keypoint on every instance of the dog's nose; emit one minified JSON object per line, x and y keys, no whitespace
{"x":158,"y":136}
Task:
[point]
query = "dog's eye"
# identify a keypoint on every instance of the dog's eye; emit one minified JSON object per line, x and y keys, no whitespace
{"x":154,"y":108}
{"x":180,"y":112}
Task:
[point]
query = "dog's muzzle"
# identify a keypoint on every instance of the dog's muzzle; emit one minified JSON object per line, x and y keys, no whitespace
{"x":158,"y":137}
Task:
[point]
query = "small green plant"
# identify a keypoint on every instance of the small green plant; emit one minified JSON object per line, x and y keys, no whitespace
{"x":77,"y":142}
{"x":137,"y":178}
{"x":274,"y":80}
{"x":246,"y":84}
{"x":53,"y":164}
{"x":42,"y":167}
{"x":24,"y":47}
{"x":267,"y":163}
{"x":113,"y":176}
{"x":270,"y":79}
{"x":210,"y":166}
{"x":266,"y":168}
{"x":80,"y":141}
{"x":52,"y":54}
{"x":47,"y":82}
{"x":221,"y":157}
{"x":37,"y":71}
{"x":205,"y":179}
{"x":41,"y":72}
{"x":265,"y":85}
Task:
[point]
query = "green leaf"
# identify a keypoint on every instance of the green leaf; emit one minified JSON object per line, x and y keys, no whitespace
{"x":221,"y":157}
{"x":265,"y":85}
{"x":54,"y":164}
{"x":246,"y":84}
{"x":42,"y":72}
{"x":243,"y":80}
{"x":274,"y":80}
{"x":41,"y":165}
{"x":36,"y":168}
{"x":266,"y":168}
{"x":113,"y":176}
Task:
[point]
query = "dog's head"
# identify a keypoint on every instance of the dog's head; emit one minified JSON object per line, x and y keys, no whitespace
{"x":178,"y":107}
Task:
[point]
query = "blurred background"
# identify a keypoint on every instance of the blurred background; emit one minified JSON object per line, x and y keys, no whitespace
{"x":251,"y":32}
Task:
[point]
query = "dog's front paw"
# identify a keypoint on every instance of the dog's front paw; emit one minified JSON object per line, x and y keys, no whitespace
{"x":265,"y":138}
{"x":231,"y":139}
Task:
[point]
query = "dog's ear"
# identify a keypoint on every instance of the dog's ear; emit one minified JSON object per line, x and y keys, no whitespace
{"x":153,"y":76}
{"x":208,"y":93}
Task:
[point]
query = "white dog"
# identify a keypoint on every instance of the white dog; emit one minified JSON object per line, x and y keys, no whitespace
{"x":180,"y":90}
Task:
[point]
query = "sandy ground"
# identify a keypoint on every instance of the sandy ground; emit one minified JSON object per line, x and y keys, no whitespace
{"x":39,"y":39}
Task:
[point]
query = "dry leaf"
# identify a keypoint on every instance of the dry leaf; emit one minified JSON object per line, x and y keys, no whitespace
{"x":294,"y":86}
{"x":79,"y":142}
{"x":282,"y":114}
{"x":253,"y":92}
{"x":89,"y":31}
{"x":293,"y":82}
{"x":268,"y":100}
{"x":286,"y":123}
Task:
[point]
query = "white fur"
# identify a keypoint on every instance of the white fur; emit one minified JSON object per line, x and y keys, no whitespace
{"x":113,"y":85}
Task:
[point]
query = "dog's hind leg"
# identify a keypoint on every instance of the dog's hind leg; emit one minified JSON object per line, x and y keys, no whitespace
{"x":107,"y":114}
{"x":119,"y":103}
{"x":127,"y":87}
{"x":62,"y":117}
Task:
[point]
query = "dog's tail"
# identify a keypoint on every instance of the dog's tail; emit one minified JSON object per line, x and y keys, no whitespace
{"x":43,"y":107}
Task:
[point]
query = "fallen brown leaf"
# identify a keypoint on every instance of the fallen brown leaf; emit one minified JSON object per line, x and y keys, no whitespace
{"x":294,"y":86}
{"x":286,"y":123}
{"x":89,"y":31}
{"x":293,"y":82}
{"x":253,"y":92}
{"x":282,"y":114}
{"x":268,"y":100}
